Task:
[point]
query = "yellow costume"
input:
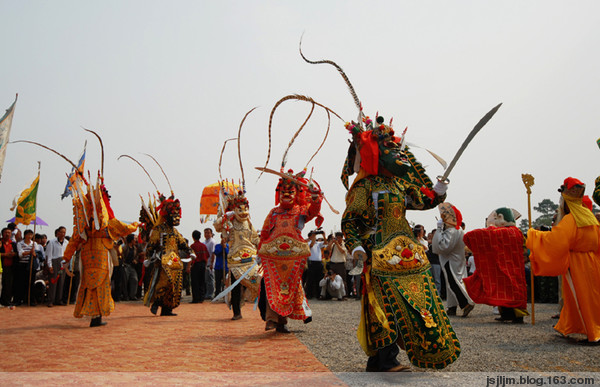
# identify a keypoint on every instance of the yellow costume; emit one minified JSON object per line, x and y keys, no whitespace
{"x":572,"y":249}
{"x":94,"y":230}
{"x":164,"y":245}
{"x":94,"y":297}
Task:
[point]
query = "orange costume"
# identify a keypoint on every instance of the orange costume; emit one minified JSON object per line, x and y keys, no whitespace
{"x":572,"y":249}
{"x":94,"y":230}
{"x":94,"y":297}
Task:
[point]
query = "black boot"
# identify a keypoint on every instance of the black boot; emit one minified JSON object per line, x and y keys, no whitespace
{"x":164,"y":311}
{"x":154,"y":307}
{"x":282,"y":328}
{"x":97,"y":322}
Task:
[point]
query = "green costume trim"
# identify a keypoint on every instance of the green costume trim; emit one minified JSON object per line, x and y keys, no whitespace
{"x":401,"y":302}
{"x":596,"y":194}
{"x":416,"y":314}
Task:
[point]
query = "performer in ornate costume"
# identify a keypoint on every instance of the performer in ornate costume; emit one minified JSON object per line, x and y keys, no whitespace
{"x":94,"y":230}
{"x":234,"y":223}
{"x":236,"y":226}
{"x":163,"y":250}
{"x":400,"y":304}
{"x":164,"y":246}
{"x":572,"y":249}
{"x":282,"y":249}
{"x":283,"y":252}
{"x":499,"y":278}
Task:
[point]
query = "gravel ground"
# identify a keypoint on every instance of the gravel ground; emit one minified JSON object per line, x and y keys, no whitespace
{"x":487,"y":345}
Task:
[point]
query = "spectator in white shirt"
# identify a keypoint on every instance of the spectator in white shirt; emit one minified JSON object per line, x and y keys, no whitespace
{"x":315,"y":264}
{"x":23,"y":277}
{"x":54,"y":257}
{"x":210,"y":243}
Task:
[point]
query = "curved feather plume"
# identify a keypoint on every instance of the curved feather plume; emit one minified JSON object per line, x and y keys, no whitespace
{"x":282,"y":100}
{"x":101,"y":148}
{"x":51,"y":150}
{"x":239,"y":148}
{"x":221,"y":155}
{"x":284,"y":159}
{"x":324,"y":138}
{"x":342,"y":73}
{"x":163,"y":172}
{"x":440,"y":160}
{"x":141,"y":166}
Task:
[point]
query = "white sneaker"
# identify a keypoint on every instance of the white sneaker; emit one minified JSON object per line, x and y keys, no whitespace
{"x":495,"y":310}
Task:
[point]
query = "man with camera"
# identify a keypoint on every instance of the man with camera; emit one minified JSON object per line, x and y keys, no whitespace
{"x":338,"y":256}
{"x":332,"y":286}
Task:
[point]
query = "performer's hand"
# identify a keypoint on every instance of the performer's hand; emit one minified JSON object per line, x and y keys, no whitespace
{"x":440,"y":187}
{"x":315,"y":194}
{"x":358,"y":254}
{"x":440,"y":224}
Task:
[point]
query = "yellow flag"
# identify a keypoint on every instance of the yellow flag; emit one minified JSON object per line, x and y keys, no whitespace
{"x":26,"y":203}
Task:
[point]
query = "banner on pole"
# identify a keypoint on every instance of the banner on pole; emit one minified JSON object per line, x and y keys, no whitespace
{"x":72,"y":175}
{"x":25,"y":204}
{"x":5,"y":124}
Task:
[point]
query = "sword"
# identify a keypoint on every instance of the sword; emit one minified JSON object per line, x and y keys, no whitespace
{"x":292,"y":178}
{"x":476,"y":129}
{"x":233,"y":285}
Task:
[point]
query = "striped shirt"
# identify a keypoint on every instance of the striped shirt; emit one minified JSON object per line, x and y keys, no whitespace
{"x":23,"y":248}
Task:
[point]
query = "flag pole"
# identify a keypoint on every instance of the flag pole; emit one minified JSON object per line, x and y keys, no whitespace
{"x":33,"y":256}
{"x":70,"y":287}
{"x":528,"y":181}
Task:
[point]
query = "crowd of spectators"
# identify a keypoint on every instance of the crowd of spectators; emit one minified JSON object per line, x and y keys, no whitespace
{"x":33,"y":271}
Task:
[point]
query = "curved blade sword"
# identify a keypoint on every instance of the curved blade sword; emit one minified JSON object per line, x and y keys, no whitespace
{"x":465,"y":143}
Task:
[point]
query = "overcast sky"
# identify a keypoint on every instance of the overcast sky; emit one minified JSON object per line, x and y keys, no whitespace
{"x":174,"y":79}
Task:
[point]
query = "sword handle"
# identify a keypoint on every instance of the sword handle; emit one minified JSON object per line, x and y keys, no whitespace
{"x":443,"y":179}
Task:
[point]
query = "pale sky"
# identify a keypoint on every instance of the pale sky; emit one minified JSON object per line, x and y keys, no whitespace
{"x":174,"y":79}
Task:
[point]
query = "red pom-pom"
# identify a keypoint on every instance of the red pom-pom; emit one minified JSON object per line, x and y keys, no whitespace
{"x":427,"y":192}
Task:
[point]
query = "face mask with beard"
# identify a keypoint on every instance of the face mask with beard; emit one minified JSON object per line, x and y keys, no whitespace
{"x":392,"y":159}
{"x":172,"y":212}
{"x":287,"y":196}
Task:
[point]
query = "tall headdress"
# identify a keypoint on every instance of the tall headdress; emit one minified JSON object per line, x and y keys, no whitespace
{"x":156,"y":208}
{"x":232,"y":195}
{"x":313,"y":103}
{"x":91,"y":203}
{"x":299,"y":179}
{"x":168,"y":206}
{"x":364,"y":154}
